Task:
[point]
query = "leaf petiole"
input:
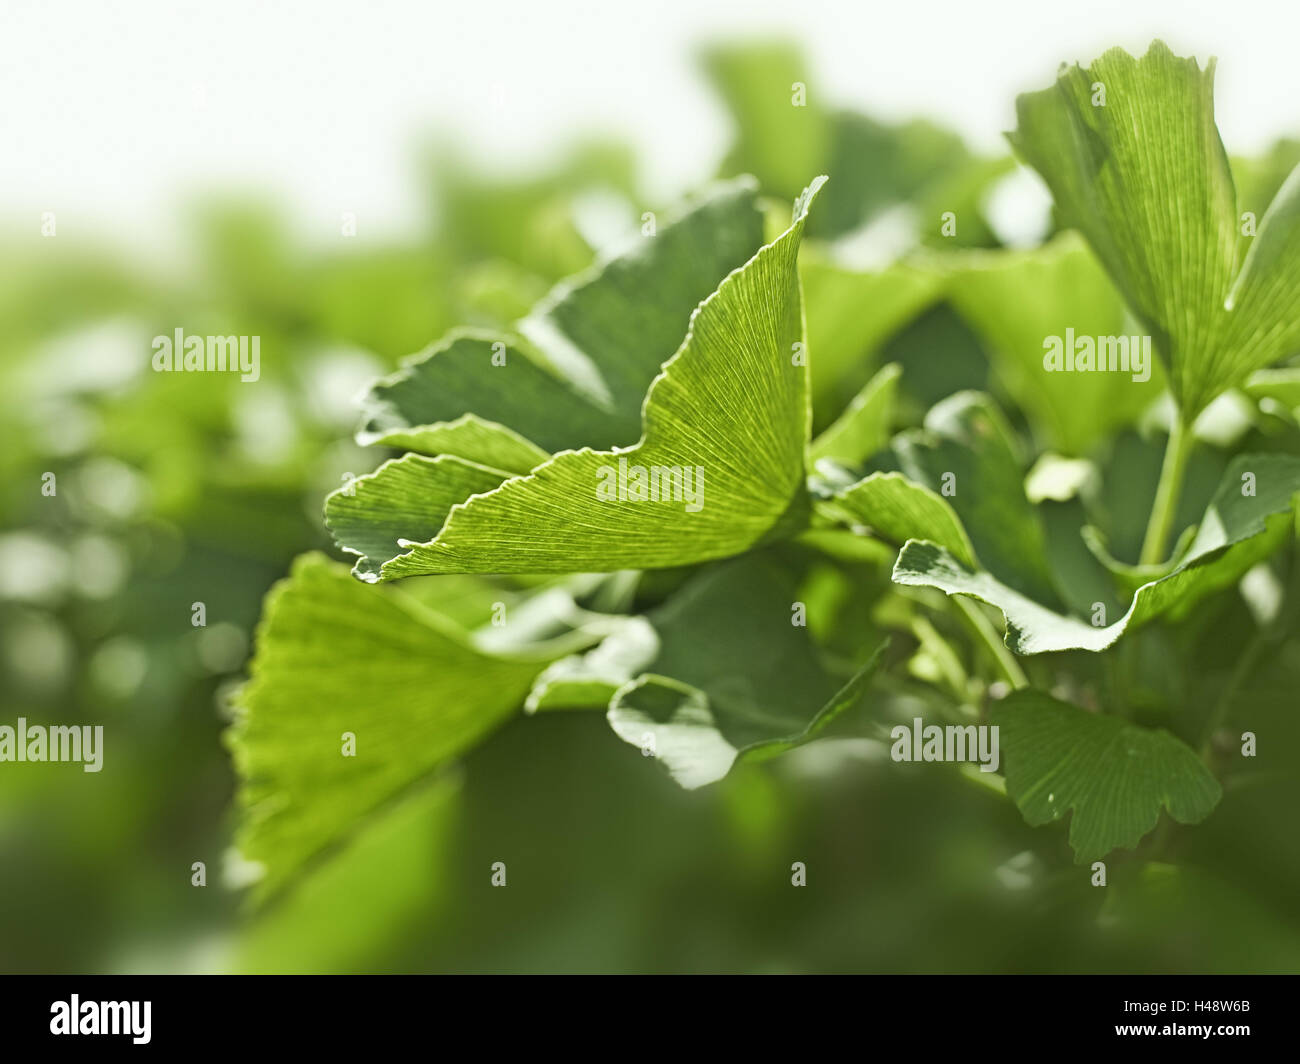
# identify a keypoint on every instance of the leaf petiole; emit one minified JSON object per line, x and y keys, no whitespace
{"x":1005,"y":661}
{"x":1168,"y":490}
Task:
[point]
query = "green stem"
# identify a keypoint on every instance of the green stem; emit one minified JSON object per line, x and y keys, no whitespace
{"x":1167,"y":492}
{"x":1006,"y":662}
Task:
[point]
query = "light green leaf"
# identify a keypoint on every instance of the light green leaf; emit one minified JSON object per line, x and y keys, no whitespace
{"x":726,"y":428}
{"x":406,"y":499}
{"x":898,"y":509}
{"x":863,"y":428}
{"x":1144,"y":177}
{"x":1264,"y":323}
{"x":850,"y":314}
{"x":1015,"y":300}
{"x":469,"y":437}
{"x":577,"y":372}
{"x":1114,"y":776}
{"x":335,"y":656}
{"x":776,"y":140}
{"x":1281,"y":385}
{"x":1236,"y":532}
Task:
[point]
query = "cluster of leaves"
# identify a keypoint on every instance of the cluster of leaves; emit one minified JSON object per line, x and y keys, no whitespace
{"x":175,"y":489}
{"x":861,"y":534}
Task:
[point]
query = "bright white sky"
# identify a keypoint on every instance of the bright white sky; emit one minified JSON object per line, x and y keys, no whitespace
{"x":111,"y":112}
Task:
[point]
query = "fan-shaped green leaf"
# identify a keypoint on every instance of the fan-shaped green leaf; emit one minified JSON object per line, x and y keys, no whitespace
{"x":336,"y":657}
{"x":719,"y":469}
{"x":1132,"y":155}
{"x":1016,"y":300}
{"x":1114,"y":776}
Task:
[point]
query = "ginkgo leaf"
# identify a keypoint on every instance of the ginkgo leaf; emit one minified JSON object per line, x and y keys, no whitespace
{"x":404,"y":499}
{"x":721,"y":669}
{"x":576,"y":370}
{"x":962,"y":486}
{"x":1249,"y":517}
{"x":863,"y":428}
{"x":1113,"y":776}
{"x":1131,"y":153}
{"x":1071,"y":296}
{"x":968,"y":452}
{"x":1264,"y":323}
{"x":782,"y":134}
{"x":898,"y":509}
{"x":1282,"y":385}
{"x":719,"y":469}
{"x":336,"y":658}
{"x":500,"y":379}
{"x":469,"y":437}
{"x":699,"y":742}
{"x":850,"y":314}
{"x":728,"y":673}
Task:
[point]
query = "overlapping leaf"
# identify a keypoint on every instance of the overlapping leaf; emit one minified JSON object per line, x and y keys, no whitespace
{"x":1015,"y":300}
{"x":719,"y":672}
{"x":725,"y":429}
{"x":898,"y":509}
{"x":699,"y":741}
{"x":863,"y":428}
{"x":851,"y":313}
{"x":335,"y":656}
{"x":1249,"y":516}
{"x":1112,"y":775}
{"x":782,"y":134}
{"x":961,"y":485}
{"x":786,"y":129}
{"x":405,"y":499}
{"x":1131,"y":153}
{"x":576,"y":371}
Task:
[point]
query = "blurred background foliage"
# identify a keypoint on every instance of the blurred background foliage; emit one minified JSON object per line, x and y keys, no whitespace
{"x":175,"y":489}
